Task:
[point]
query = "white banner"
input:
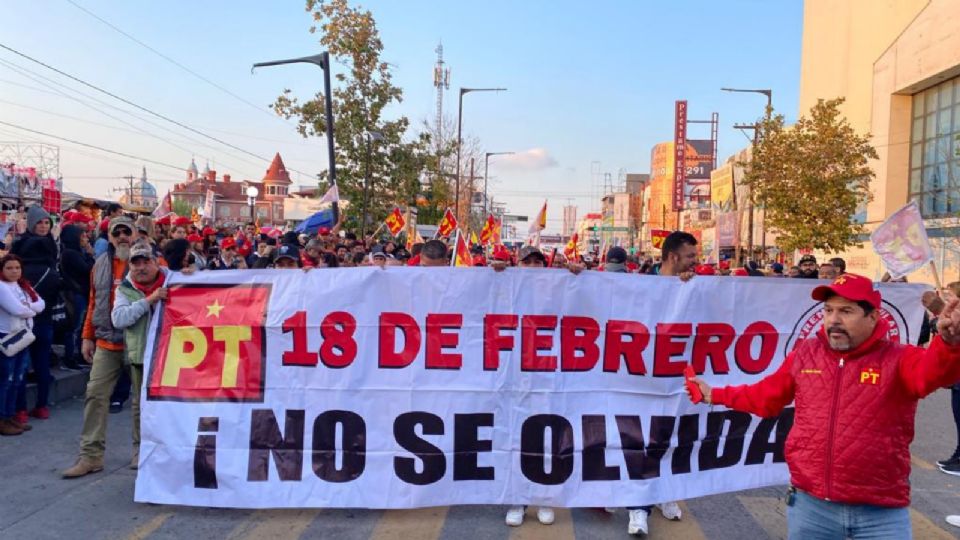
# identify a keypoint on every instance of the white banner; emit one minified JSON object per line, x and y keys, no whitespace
{"x":411,"y":387}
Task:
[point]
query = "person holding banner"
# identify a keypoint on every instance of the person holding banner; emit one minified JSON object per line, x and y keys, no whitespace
{"x":434,"y":254}
{"x":855,"y":393}
{"x":136,"y":298}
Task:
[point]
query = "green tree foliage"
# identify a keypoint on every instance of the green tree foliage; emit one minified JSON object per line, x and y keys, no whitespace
{"x":362,"y":91}
{"x":181,"y":208}
{"x":811,"y":177}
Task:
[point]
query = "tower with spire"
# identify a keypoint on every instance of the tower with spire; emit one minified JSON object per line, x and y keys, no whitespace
{"x":276,"y":182}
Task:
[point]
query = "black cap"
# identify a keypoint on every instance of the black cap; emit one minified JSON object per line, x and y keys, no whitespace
{"x":616,"y":255}
{"x":808,"y":258}
{"x":290,"y":251}
{"x":531,"y":251}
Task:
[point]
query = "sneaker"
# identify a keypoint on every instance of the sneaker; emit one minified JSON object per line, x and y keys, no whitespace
{"x":671,"y":511}
{"x":515,"y":516}
{"x":23,"y":427}
{"x":115,"y":407}
{"x":83,"y":467}
{"x":952,"y":468}
{"x":40,"y":412}
{"x":545,"y":515}
{"x":8,"y":428}
{"x":21,"y":417}
{"x":954,"y":520}
{"x":610,"y":509}
{"x":638,"y":522}
{"x":952,"y":459}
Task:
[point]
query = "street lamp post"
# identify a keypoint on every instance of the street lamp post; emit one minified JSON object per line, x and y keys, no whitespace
{"x":252,"y":193}
{"x":756,"y":130}
{"x":371,"y":136}
{"x":323,"y":61}
{"x":486,"y":168}
{"x":460,"y":137}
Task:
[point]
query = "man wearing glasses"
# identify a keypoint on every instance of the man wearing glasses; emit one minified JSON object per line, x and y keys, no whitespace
{"x":228,"y":259}
{"x":102,"y":346}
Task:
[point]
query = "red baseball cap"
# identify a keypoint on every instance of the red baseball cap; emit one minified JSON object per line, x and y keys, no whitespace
{"x":207,"y":231}
{"x":165,"y":220}
{"x":323,"y":231}
{"x":182,"y":221}
{"x":228,"y":243}
{"x":740,"y":272}
{"x":724,"y":265}
{"x":104,"y":224}
{"x":194,"y":238}
{"x":705,"y":270}
{"x":853,"y":287}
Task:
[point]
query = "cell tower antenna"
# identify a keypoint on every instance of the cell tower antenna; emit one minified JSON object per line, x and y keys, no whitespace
{"x":441,"y":81}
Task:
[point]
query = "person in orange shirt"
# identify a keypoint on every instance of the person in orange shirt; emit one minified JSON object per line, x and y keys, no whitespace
{"x":103,"y":347}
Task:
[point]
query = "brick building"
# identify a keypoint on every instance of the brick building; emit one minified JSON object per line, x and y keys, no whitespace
{"x":231,"y":196}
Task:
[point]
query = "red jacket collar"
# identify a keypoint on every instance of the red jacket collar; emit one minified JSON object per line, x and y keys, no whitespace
{"x":879,"y":334}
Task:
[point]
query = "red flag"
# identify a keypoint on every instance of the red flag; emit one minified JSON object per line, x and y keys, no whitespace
{"x":448,"y":224}
{"x":461,"y":253}
{"x":496,"y":237}
{"x":657,"y":236}
{"x":51,"y":201}
{"x":540,"y":222}
{"x":486,"y":233}
{"x":571,"y":250}
{"x":395,"y":221}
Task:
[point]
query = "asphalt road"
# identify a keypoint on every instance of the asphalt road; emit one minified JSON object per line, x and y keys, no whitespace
{"x":36,"y":504}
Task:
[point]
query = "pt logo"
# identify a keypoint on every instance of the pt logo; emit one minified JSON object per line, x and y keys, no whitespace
{"x":869,"y":376}
{"x":211,"y":344}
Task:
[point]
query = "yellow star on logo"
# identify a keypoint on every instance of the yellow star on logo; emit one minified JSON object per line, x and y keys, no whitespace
{"x":214,"y":309}
{"x":840,"y":280}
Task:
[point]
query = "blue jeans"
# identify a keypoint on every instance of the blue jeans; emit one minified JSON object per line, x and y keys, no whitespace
{"x":12,"y":370}
{"x":40,"y":360}
{"x":810,"y":518}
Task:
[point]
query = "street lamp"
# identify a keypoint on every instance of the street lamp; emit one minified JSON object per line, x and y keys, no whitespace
{"x":756,"y":130}
{"x":371,"y":136}
{"x":460,"y":137}
{"x":323,"y":61}
{"x":486,"y":167}
{"x":252,"y":193}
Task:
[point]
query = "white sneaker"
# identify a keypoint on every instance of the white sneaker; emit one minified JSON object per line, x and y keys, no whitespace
{"x":671,"y":511}
{"x":954,"y":520}
{"x":515,"y":516}
{"x":638,"y":522}
{"x":610,"y":509}
{"x":545,"y":515}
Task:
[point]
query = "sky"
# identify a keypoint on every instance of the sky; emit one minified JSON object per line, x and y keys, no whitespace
{"x":591,"y":86}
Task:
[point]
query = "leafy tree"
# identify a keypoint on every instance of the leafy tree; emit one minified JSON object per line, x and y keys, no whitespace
{"x":181,"y":208}
{"x":811,"y":177}
{"x":394,"y":162}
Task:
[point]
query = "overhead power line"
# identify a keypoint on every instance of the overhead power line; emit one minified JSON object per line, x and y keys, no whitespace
{"x":137,"y":106}
{"x":172,"y":61}
{"x":95,"y":147}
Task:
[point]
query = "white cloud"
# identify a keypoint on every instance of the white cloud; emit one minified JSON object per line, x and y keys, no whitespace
{"x":534,"y":159}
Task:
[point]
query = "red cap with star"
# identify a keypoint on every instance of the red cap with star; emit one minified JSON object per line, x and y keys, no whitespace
{"x":853,"y":287}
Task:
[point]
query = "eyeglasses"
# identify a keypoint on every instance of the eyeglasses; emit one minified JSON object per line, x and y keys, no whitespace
{"x":121,"y":231}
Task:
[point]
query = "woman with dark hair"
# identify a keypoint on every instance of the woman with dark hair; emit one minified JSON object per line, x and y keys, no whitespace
{"x":19,"y":304}
{"x":39,"y":253}
{"x":177,"y":254}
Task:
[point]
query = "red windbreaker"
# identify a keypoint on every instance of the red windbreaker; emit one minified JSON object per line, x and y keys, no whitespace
{"x":854,"y":413}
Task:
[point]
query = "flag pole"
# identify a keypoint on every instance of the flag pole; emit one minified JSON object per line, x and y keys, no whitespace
{"x":376,"y":231}
{"x":456,"y":242}
{"x":936,"y":275}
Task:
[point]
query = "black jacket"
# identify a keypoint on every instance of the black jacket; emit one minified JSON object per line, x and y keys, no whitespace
{"x":75,"y":263}
{"x":39,"y":255}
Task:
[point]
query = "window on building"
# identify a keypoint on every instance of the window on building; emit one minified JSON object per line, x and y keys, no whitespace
{"x":223,"y":211}
{"x":935,"y":149}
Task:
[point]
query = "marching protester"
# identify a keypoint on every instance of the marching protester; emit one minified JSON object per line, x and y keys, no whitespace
{"x":136,"y":298}
{"x":102,"y":346}
{"x":834,"y":450}
{"x":228,"y":259}
{"x":19,"y":304}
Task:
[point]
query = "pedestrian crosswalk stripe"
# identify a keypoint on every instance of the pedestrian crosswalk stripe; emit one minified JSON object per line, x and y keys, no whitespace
{"x":562,"y":528}
{"x":277,"y":525}
{"x":926,"y":529}
{"x":149,"y":527}
{"x":420,"y":523}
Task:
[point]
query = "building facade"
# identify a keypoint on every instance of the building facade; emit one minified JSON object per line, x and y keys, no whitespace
{"x":899,"y":70}
{"x":232,"y":204}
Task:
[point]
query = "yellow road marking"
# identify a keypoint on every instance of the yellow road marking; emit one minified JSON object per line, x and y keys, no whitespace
{"x":562,"y":528}
{"x":770,"y":513}
{"x":420,"y":523}
{"x":687,"y":528}
{"x":917,"y":462}
{"x":287,"y":524}
{"x":149,"y":527}
{"x":926,"y":529}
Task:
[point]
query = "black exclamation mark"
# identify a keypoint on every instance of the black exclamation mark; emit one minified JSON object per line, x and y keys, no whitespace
{"x":205,"y":453}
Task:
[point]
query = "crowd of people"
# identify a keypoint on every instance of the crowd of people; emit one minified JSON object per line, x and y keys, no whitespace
{"x":88,"y":280}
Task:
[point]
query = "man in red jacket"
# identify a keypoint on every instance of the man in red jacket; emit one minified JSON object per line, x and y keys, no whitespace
{"x":855,"y":394}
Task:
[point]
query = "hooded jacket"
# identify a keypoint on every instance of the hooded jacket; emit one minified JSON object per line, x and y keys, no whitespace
{"x":854,"y":413}
{"x":39,"y":255}
{"x":74,"y":261}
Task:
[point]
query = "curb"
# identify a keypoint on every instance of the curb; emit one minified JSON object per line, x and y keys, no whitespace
{"x":65,"y":385}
